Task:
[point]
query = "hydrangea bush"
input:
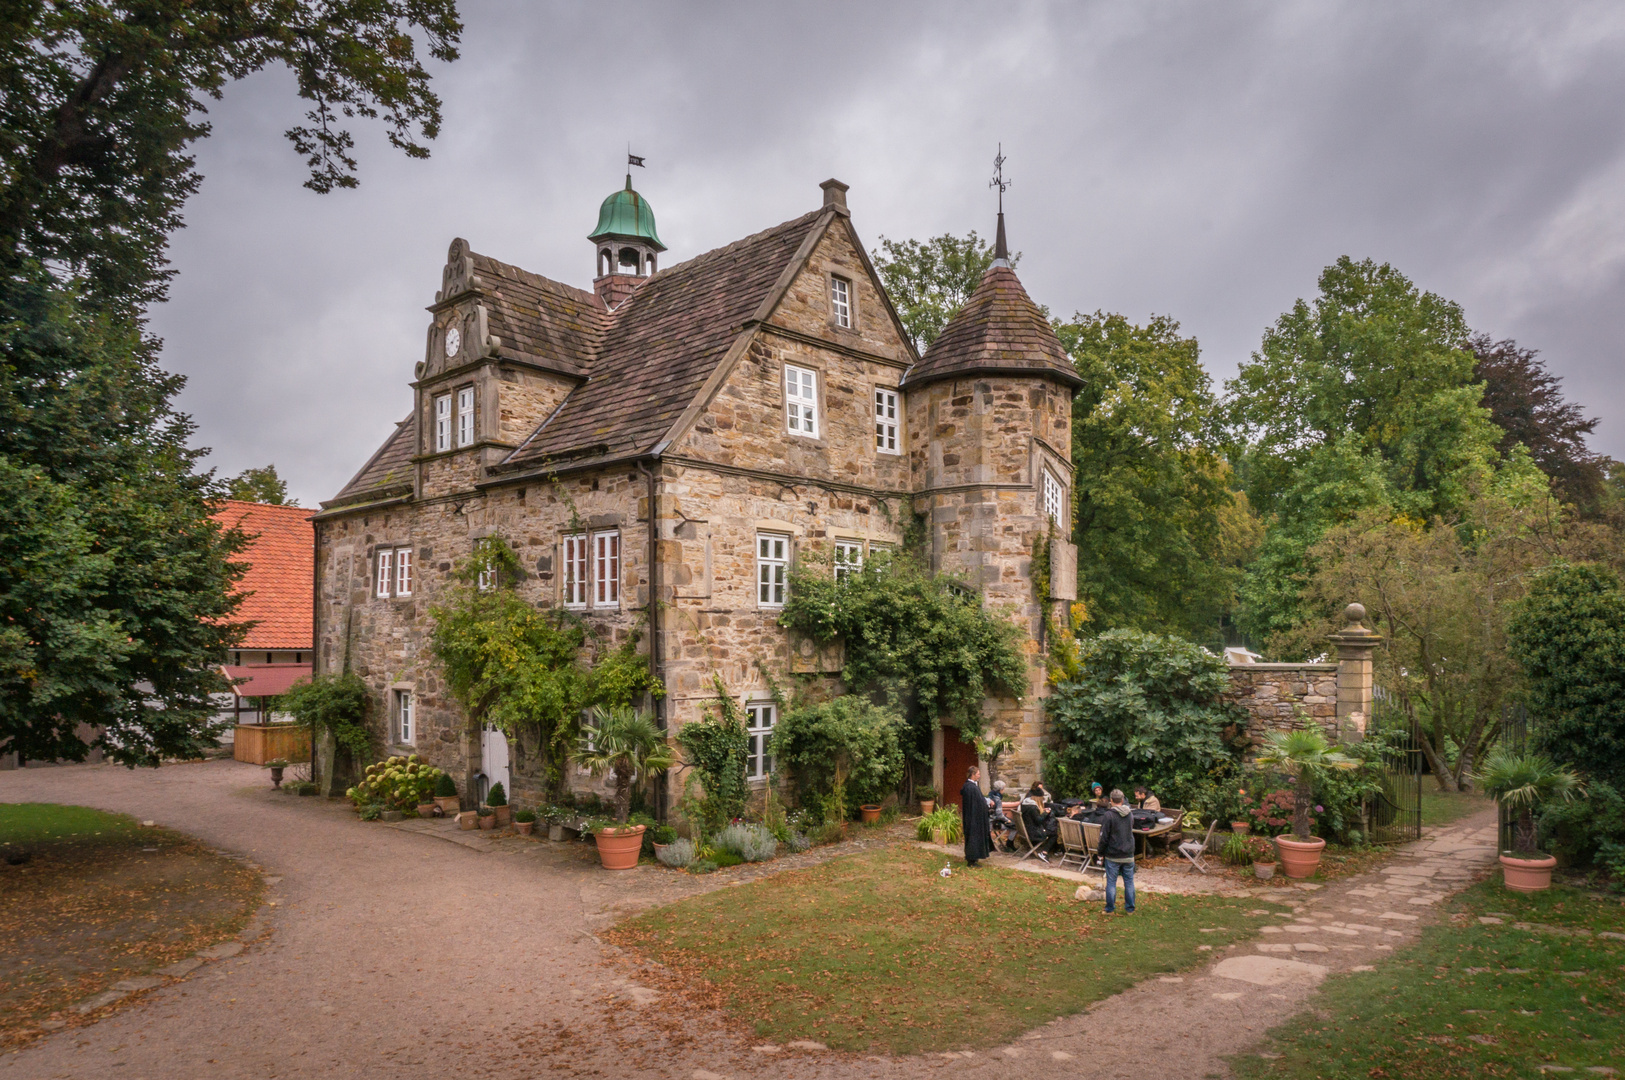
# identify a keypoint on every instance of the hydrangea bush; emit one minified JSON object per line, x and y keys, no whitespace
{"x":396,"y":783}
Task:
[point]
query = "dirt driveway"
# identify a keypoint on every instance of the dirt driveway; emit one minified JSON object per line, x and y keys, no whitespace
{"x":401,"y":955}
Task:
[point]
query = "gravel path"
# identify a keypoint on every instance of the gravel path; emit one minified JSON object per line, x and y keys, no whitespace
{"x":390,"y":953}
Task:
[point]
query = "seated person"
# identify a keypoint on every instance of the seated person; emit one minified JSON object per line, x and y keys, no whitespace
{"x":1040,"y":823}
{"x":1097,"y":796}
{"x":1144,"y":800}
{"x":998,"y":821}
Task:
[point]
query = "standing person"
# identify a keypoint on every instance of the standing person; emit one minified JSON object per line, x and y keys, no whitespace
{"x":973,"y":816}
{"x":1117,"y":851}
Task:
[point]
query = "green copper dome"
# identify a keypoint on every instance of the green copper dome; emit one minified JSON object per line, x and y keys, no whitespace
{"x":626,"y":214}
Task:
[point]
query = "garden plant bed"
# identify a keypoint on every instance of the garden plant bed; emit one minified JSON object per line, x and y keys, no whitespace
{"x":872,"y":951}
{"x":95,"y":899}
{"x":1536,"y":987}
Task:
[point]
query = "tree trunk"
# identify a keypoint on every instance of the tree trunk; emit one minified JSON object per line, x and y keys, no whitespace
{"x":1441,"y":771}
{"x":1302,"y":798}
{"x":623,"y":794}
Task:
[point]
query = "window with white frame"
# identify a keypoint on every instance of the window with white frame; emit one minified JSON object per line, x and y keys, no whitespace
{"x":759,"y":718}
{"x":886,"y":421}
{"x":801,"y":400}
{"x":848,"y":558}
{"x":1055,"y":500}
{"x":488,"y":578}
{"x":589,"y":732}
{"x":386,"y":573}
{"x":840,"y":301}
{"x":442,"y":423}
{"x":465,"y":416}
{"x":405,"y":731}
{"x":772,"y":567}
{"x":606,"y":569}
{"x":575,"y":570}
{"x":403,"y":571}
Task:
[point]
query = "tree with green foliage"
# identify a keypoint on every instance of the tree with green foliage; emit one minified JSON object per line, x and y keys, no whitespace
{"x":1144,"y":708}
{"x":626,"y":744}
{"x":1305,"y":756}
{"x":335,"y":703}
{"x":522,"y":669}
{"x":116,"y":583}
{"x":1525,"y":401}
{"x":1153,"y":514}
{"x":101,"y":102}
{"x":259,"y":486}
{"x":929,"y":282}
{"x":1364,"y":398}
{"x":1569,"y":634}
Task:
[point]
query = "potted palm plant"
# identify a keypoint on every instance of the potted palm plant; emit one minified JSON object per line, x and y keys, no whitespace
{"x":627,"y":745}
{"x":1303,"y":754}
{"x":1521,"y":783}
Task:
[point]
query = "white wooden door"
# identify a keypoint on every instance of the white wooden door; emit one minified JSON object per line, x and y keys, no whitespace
{"x":494,"y":761}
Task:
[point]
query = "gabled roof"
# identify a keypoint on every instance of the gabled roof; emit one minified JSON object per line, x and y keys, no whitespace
{"x":281,"y":579}
{"x":999,"y":331}
{"x":540,"y":320}
{"x":663,"y":343}
{"x":390,"y":467}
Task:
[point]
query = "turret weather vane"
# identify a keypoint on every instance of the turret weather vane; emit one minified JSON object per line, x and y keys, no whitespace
{"x":998,"y":180}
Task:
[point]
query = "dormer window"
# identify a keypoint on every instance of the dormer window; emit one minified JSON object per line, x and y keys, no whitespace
{"x":465,"y":416}
{"x":442,"y":423}
{"x":801,"y":400}
{"x":840,"y":302}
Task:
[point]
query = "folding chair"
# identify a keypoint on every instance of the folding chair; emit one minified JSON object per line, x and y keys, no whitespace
{"x":1195,"y":850}
{"x":1073,"y":848}
{"x":1091,"y":840}
{"x":1023,"y":839}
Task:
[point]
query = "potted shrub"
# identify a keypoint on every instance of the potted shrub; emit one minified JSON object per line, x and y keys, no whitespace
{"x":1263,"y":853}
{"x":625,"y":744}
{"x":276,"y":768}
{"x":1303,"y":754}
{"x":497,"y":800}
{"x":928,"y":800}
{"x":942,"y":826}
{"x":1521,"y":783}
{"x":445,"y":795}
{"x":524,"y":821}
{"x":555,"y":816}
{"x":487,"y":818}
{"x":663,"y":836}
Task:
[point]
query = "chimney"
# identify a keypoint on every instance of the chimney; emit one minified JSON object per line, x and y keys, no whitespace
{"x":834,"y":195}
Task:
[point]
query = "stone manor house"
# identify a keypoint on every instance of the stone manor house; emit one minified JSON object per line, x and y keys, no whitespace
{"x":662,"y":448}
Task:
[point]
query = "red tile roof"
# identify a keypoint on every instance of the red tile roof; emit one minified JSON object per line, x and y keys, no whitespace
{"x":265,"y":680}
{"x":281,"y":580}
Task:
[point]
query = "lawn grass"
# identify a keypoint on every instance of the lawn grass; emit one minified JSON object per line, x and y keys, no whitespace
{"x":877,"y":951}
{"x":88,"y":898}
{"x":1471,"y":1000}
{"x":1443,"y":807}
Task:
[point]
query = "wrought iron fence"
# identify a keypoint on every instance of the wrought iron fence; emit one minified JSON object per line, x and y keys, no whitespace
{"x":1394,"y":815}
{"x":1515,"y":740}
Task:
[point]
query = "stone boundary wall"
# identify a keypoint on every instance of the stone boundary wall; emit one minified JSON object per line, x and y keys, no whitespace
{"x":1269,"y":692}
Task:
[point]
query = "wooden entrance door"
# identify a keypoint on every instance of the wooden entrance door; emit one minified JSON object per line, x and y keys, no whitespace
{"x":957,"y":757}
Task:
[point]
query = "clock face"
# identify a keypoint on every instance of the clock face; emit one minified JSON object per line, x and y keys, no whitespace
{"x":454,"y":341}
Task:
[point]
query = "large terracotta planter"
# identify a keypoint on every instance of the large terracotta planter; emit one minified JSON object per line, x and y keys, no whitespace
{"x":503,"y":814}
{"x":524,"y":827}
{"x":1527,"y":875}
{"x":871,"y":814}
{"x":449,"y":804}
{"x":1299,"y":857}
{"x":618,"y":848}
{"x":488,"y":822}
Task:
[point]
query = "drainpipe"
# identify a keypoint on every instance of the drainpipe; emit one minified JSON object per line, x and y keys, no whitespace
{"x":655,"y":637}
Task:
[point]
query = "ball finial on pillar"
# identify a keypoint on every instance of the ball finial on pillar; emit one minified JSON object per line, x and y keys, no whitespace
{"x":1354,"y":614}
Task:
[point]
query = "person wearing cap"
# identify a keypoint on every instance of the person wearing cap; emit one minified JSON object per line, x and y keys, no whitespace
{"x":1097,"y":795}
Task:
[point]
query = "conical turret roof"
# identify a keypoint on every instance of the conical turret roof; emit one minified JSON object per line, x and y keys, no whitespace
{"x":999,"y":331}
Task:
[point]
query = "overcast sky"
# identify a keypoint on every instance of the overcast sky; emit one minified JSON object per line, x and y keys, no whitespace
{"x":1203,"y":161}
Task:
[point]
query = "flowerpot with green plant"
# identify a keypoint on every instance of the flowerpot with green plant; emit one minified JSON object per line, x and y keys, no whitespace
{"x":487,"y":818}
{"x":1263,"y":854}
{"x":1522,"y":783}
{"x":928,"y":799}
{"x":942,"y":826}
{"x":626,"y":744}
{"x":1303,"y":754}
{"x":445,"y":795}
{"x":497,"y":800}
{"x":663,"y":837}
{"x":524,"y":821}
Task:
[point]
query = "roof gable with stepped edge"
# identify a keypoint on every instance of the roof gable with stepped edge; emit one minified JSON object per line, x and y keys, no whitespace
{"x":999,"y":331}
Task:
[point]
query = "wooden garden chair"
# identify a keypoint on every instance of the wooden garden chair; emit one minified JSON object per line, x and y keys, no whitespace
{"x":1022,"y":839}
{"x":1074,"y":849}
{"x":1195,"y":851}
{"x":1091,"y":840}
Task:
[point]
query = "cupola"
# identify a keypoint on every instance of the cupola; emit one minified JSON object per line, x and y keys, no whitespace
{"x":628,"y":247}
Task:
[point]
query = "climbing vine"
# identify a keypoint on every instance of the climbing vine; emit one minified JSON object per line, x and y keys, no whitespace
{"x":716,"y":746}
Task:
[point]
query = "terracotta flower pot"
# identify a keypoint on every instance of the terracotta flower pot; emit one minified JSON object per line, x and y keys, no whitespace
{"x":555,"y":833}
{"x":618,"y":848}
{"x":425,"y":809}
{"x":1240,"y":828}
{"x":524,"y":827}
{"x":926,"y":806}
{"x":1299,"y":857}
{"x":871,"y":814}
{"x":503,"y":814}
{"x":488,"y":822}
{"x":449,"y":804}
{"x":468,"y":820}
{"x":939,"y":837}
{"x":1264,"y":870}
{"x":1527,"y":875}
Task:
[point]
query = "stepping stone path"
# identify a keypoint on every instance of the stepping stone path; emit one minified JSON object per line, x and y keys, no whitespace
{"x":1226,"y":1008}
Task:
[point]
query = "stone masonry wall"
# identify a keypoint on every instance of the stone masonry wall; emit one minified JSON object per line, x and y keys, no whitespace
{"x":1273,"y":694}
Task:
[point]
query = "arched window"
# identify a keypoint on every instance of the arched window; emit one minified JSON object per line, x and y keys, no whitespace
{"x":606,"y":262}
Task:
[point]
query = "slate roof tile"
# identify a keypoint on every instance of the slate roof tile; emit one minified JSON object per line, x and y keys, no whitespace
{"x":998,"y":329}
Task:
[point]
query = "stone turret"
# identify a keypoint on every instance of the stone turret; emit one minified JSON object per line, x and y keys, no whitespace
{"x":991,"y":403}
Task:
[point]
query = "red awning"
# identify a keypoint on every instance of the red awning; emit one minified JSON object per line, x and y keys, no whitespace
{"x":265,"y":680}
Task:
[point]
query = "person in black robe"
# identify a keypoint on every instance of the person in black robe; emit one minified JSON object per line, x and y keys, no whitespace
{"x":973,"y":816}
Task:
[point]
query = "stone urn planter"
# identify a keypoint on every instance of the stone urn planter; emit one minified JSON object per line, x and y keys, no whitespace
{"x":276,"y":776}
{"x":871,"y":813}
{"x":1527,"y":875}
{"x":618,"y":848}
{"x":1299,"y":857}
{"x":449,"y":804}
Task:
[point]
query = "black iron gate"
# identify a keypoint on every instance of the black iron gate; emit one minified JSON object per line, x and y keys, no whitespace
{"x":1394,"y":815}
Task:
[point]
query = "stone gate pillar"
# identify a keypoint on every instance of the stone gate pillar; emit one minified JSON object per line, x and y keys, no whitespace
{"x":1355,"y":645}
